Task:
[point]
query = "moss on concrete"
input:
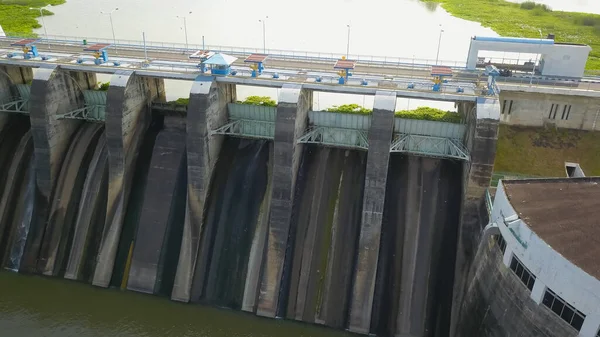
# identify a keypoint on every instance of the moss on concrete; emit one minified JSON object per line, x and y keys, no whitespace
{"x":532,"y":151}
{"x":511,"y":19}
{"x":18,"y":20}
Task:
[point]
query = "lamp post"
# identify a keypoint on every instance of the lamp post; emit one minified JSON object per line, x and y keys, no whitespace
{"x":439,"y":44}
{"x":536,"y":57}
{"x":264,"y":34}
{"x":112,"y":27}
{"x":43,"y":23}
{"x":348,"y":44}
{"x":185,"y":29}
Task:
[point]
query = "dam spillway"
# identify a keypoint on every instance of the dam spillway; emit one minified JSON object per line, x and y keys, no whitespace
{"x":360,"y":222}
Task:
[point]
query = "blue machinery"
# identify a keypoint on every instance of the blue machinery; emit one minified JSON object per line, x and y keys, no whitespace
{"x":256,"y":63}
{"x":202,"y":56}
{"x":29,"y":48}
{"x":492,"y":72}
{"x":439,"y":73}
{"x":344,"y":66}
{"x":100,"y":53}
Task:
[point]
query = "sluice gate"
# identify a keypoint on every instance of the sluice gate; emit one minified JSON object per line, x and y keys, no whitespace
{"x":360,"y":222}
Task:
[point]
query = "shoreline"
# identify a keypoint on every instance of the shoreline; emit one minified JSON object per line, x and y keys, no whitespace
{"x":18,"y":19}
{"x":509,"y":19}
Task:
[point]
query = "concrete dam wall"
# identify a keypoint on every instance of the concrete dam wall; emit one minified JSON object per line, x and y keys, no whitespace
{"x":205,"y":204}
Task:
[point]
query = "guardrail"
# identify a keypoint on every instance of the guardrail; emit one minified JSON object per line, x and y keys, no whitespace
{"x":277,"y":53}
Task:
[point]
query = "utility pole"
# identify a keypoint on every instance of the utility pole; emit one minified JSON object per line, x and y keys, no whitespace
{"x":439,"y":44}
{"x":43,"y":24}
{"x":112,"y":27}
{"x":348,"y":44}
{"x":536,"y":58}
{"x":185,"y":30}
{"x":264,"y":34}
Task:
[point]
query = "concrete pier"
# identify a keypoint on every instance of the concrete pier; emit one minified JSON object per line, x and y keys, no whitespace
{"x":207,"y":109}
{"x":290,"y":123}
{"x":481,"y":139}
{"x":380,"y":138}
{"x":53,"y":91}
{"x":127,"y":117}
{"x":153,"y":229}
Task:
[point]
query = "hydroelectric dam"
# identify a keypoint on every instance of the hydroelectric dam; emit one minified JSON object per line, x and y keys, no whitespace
{"x":360,"y":222}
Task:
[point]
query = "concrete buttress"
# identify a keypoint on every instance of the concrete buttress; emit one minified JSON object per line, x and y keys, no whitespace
{"x":207,"y":109}
{"x":482,"y":136}
{"x":127,"y":118}
{"x":290,"y":123}
{"x":54,"y":91}
{"x":380,"y":139}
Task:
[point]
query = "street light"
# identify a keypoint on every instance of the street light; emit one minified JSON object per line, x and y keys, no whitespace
{"x":43,"y":23}
{"x":112,"y":27}
{"x":185,"y":29}
{"x":264,"y":34}
{"x":536,"y":58}
{"x":348,"y":44}
{"x":439,"y":44}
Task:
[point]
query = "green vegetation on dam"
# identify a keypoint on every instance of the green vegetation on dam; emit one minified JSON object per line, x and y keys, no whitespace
{"x":17,"y":18}
{"x":524,"y":20}
{"x":36,"y":306}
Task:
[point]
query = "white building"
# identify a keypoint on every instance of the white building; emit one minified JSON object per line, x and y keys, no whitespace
{"x":550,"y":236}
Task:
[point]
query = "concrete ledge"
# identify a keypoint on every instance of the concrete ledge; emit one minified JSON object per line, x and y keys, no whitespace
{"x":127,"y":118}
{"x":380,"y":138}
{"x":290,"y":123}
{"x":207,"y":109}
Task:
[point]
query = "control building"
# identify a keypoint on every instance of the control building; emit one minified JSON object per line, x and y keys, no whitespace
{"x":537,"y":269}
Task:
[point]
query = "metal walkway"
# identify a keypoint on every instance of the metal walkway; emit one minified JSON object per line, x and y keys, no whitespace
{"x":18,"y":103}
{"x":248,"y":121}
{"x":94,"y":109}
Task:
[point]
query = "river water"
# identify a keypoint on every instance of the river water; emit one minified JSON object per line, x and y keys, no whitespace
{"x":35,"y":306}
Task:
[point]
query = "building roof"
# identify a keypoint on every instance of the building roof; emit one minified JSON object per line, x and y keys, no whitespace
{"x":344,"y":64}
{"x":565,"y":213}
{"x":221,"y":59}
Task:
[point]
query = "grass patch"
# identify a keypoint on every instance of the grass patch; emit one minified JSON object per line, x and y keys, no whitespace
{"x":430,"y":114}
{"x":542,"y":152}
{"x":18,"y":20}
{"x":103,"y":86}
{"x":422,"y":113}
{"x":259,"y":100}
{"x":350,"y":109}
{"x":523,"y":20}
{"x":180,"y":101}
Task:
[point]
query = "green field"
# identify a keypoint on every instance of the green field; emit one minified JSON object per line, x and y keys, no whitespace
{"x":17,"y":19}
{"x":510,"y":19}
{"x":526,"y":151}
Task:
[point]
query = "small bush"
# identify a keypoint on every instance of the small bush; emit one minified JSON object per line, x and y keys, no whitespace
{"x":259,"y":100}
{"x":350,"y":109}
{"x":180,"y":101}
{"x":103,"y":86}
{"x":430,"y":114}
{"x":588,"y":20}
{"x":529,"y":5}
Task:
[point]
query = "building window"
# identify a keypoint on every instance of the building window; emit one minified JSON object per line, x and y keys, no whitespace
{"x":567,"y":312}
{"x":500,"y":242}
{"x":566,"y":112}
{"x":522,"y":272}
{"x":553,"y":110}
{"x":507,"y":107}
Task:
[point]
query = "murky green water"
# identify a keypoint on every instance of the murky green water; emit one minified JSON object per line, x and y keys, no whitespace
{"x":35,"y":306}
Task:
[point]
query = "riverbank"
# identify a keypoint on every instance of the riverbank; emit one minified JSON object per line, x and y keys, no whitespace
{"x":18,"y":19}
{"x":542,"y":152}
{"x":510,"y":19}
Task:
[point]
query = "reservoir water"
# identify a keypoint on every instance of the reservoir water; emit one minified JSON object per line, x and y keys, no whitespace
{"x":35,"y":306}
